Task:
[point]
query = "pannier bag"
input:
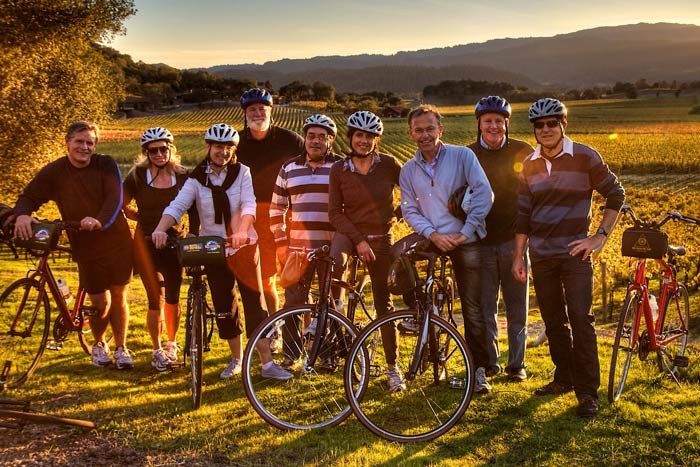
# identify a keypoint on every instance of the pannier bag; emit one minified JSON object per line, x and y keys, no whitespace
{"x":201,"y":251}
{"x":293,"y":269}
{"x":640,"y":242}
{"x":403,"y":277}
{"x":44,"y":238}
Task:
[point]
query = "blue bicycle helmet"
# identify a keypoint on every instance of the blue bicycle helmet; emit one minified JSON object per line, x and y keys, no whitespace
{"x":492,"y":104}
{"x":256,"y":96}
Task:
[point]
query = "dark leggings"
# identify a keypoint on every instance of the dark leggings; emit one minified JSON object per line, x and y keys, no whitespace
{"x":159,"y":269}
{"x":242,"y":268}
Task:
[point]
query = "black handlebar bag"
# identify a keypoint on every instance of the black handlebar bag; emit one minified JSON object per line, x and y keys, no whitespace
{"x":44,"y":238}
{"x":644,"y":242}
{"x":201,"y":251}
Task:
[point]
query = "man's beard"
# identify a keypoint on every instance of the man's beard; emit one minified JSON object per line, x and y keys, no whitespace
{"x":259,"y":126}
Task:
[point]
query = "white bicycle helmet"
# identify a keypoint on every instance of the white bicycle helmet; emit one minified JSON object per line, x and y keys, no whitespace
{"x":221,"y":133}
{"x":366,"y":121}
{"x":157,"y":133}
{"x":546,"y":107}
{"x":323,"y":121}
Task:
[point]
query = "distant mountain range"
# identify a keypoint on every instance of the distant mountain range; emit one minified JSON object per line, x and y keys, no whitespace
{"x":599,"y":56}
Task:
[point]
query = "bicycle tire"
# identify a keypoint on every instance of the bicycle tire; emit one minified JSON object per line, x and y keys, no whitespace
{"x":313,"y":398}
{"x":85,"y":329}
{"x":676,"y":323}
{"x":20,"y":304}
{"x":196,"y":350}
{"x":444,"y":299}
{"x":625,"y":345}
{"x":46,"y":419}
{"x":406,"y":416}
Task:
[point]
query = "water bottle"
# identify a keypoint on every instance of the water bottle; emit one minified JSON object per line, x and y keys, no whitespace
{"x":64,"y":289}
{"x":654,"y":306}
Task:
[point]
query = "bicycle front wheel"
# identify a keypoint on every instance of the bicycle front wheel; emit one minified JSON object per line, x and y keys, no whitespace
{"x":675,"y":332}
{"x":24,"y":330}
{"x":196,"y":348}
{"x":433,"y":401}
{"x":626,"y":344}
{"x":314,"y":398}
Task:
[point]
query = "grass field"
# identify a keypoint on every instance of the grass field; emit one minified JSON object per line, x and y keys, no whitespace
{"x":145,"y":418}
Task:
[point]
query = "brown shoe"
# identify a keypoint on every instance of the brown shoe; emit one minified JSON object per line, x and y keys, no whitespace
{"x":587,"y":406}
{"x":517,"y":376}
{"x":554,"y":389}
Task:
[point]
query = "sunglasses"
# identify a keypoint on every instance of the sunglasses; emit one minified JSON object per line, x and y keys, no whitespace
{"x":159,"y":149}
{"x":549,"y":123}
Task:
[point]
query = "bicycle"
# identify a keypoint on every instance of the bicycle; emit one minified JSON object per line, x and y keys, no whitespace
{"x":21,"y":413}
{"x":437,"y":361}
{"x":25,"y":313}
{"x":314,"y":398}
{"x":666,"y":334}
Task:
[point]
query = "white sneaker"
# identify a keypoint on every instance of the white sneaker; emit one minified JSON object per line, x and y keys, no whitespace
{"x":160,"y":360}
{"x":123,"y":358}
{"x":100,"y":354}
{"x":171,"y":349}
{"x":275,"y":371}
{"x":311,"y":328}
{"x":233,"y":368}
{"x":481,"y":385}
{"x":396,"y":382}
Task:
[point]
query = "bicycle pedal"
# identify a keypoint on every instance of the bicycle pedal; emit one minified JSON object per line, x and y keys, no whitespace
{"x":681,"y":361}
{"x":54,"y":345}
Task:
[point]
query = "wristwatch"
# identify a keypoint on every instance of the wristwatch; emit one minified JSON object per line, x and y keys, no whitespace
{"x":602,"y":231}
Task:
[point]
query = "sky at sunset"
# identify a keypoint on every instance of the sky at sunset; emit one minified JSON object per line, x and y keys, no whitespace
{"x":186,"y":34}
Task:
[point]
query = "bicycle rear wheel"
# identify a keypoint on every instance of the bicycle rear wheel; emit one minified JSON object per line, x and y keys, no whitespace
{"x":24,"y":330}
{"x":314,"y":398}
{"x":625,"y":345}
{"x":433,"y":402}
{"x":196,"y":348}
{"x":675,"y":326}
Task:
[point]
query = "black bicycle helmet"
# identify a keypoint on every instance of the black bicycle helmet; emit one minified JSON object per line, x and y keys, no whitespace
{"x":256,"y":96}
{"x":492,"y":104}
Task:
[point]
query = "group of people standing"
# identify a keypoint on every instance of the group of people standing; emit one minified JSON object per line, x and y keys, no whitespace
{"x":269,"y":191}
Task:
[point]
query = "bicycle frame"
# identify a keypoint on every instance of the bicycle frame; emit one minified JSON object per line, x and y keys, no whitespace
{"x":669,"y":287}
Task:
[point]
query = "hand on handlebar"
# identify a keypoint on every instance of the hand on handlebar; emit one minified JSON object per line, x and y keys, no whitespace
{"x":159,"y":239}
{"x":23,"y":226}
{"x":90,"y":223}
{"x":239,"y":239}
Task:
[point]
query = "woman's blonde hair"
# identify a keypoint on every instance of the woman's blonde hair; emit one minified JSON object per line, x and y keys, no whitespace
{"x":174,"y":164}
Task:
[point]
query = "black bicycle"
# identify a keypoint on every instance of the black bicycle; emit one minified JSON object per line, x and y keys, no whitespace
{"x":317,"y":337}
{"x":437,"y":363}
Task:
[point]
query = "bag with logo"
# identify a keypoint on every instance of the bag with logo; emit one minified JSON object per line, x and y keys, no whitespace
{"x":44,"y":238}
{"x":403,"y":276}
{"x":201,"y":251}
{"x":294,"y":268}
{"x":641,"y":242}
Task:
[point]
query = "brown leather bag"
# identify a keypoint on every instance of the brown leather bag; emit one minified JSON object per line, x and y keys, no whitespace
{"x":293,"y":269}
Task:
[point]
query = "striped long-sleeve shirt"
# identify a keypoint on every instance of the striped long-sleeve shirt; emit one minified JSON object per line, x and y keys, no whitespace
{"x":554,"y":199}
{"x":304,"y":190}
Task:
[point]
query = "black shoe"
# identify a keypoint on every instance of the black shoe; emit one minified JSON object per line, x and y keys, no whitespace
{"x":492,"y":371}
{"x":554,"y":389}
{"x":517,"y":376}
{"x":587,"y":406}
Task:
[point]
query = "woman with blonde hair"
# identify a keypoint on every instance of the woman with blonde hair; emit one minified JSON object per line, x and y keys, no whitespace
{"x":153,"y":182}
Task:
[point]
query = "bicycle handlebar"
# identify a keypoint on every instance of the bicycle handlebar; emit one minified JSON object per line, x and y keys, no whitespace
{"x":657,"y":224}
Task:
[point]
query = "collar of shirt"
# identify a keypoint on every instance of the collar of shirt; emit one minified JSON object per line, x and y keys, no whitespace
{"x":567,"y":148}
{"x":351,"y":166}
{"x":214,"y":177}
{"x":432,"y":163}
{"x":487,"y":147}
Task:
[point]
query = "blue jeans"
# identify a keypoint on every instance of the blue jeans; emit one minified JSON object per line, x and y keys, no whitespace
{"x":466,"y":264}
{"x":564,"y":289}
{"x":496,"y":261}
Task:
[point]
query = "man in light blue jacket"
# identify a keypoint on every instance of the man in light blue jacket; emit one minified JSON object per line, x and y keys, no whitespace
{"x":427,"y":181}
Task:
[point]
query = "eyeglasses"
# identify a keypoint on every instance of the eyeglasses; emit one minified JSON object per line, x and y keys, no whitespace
{"x":549,"y":123}
{"x":429,"y":130}
{"x":159,"y":149}
{"x":321,"y":138}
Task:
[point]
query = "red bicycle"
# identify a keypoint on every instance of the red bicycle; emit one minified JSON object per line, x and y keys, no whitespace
{"x":25,"y":313}
{"x":665,"y":333}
